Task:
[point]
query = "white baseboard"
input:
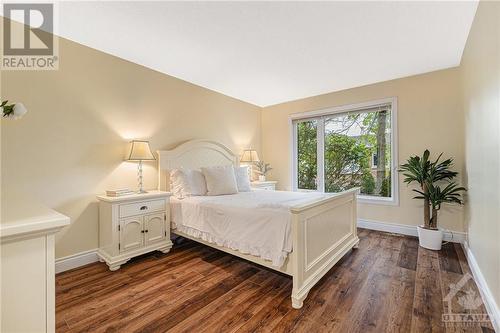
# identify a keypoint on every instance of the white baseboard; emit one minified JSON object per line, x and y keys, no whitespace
{"x":450,"y":236}
{"x":88,"y":257}
{"x":76,"y":260}
{"x":488,"y":299}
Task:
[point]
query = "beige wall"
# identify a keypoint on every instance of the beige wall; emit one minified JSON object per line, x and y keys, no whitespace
{"x":481,"y":82}
{"x":70,"y":146}
{"x":429,"y":116}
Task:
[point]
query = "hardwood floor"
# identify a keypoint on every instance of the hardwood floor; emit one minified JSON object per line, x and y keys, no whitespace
{"x":389,"y":284}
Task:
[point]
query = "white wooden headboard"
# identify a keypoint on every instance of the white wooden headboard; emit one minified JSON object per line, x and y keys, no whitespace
{"x":193,"y":154}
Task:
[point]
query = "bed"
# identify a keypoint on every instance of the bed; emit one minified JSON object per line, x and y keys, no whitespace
{"x":300,"y":234}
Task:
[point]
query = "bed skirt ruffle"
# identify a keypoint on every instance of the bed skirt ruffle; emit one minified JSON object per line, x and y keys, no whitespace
{"x":277,"y":259}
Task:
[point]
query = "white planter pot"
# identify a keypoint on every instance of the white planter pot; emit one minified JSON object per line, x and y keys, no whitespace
{"x":262,"y":178}
{"x":430,"y":239}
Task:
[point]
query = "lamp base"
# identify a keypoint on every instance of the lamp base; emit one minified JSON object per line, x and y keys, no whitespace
{"x":139,"y":178}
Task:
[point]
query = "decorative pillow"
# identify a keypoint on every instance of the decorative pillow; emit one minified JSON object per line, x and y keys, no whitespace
{"x":198,"y":185}
{"x":242,"y":178}
{"x":186,"y":182}
{"x":178,"y":182}
{"x":220,"y":180}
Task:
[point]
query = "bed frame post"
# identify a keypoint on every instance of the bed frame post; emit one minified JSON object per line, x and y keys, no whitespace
{"x":297,"y":258}
{"x":322,"y":233}
{"x":355,"y":218}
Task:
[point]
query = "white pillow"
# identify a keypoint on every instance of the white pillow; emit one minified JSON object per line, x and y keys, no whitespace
{"x":197,"y":183}
{"x":186,"y":182}
{"x":220,"y":180}
{"x":242,"y":178}
{"x":178,"y":182}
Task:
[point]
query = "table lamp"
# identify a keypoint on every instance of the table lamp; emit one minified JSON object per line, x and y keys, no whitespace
{"x":140,"y":151}
{"x":250,"y":156}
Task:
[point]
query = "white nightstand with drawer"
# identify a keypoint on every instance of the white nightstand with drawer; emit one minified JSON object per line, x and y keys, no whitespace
{"x":133,"y":225}
{"x":265,"y":185}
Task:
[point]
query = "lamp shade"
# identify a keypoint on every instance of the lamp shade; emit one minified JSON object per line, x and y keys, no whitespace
{"x":249,"y":156}
{"x":140,"y":151}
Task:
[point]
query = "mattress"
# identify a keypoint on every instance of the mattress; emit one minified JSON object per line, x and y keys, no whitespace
{"x":256,"y":222}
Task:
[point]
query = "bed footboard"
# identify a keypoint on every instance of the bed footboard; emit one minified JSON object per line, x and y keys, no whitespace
{"x":323,"y":232}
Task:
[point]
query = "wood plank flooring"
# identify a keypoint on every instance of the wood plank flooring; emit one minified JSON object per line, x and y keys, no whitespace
{"x":389,"y":284}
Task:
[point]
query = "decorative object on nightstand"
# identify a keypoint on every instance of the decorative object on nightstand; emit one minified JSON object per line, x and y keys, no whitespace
{"x":262,"y":169}
{"x":133,"y":225}
{"x":250,"y":157}
{"x":140,"y":151}
{"x":265,"y":185}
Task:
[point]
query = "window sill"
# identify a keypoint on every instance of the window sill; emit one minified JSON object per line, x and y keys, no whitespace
{"x":367,"y":200}
{"x":363,"y":199}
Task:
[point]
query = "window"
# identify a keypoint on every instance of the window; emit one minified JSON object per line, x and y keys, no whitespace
{"x":307,"y":152}
{"x":341,"y":148}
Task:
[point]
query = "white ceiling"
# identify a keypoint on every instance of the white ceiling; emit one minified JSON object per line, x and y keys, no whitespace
{"x":271,"y":52}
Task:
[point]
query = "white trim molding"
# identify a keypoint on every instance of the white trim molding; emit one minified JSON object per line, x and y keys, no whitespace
{"x":486,"y":294}
{"x":403,"y":229}
{"x":76,"y":260}
{"x":90,"y":256}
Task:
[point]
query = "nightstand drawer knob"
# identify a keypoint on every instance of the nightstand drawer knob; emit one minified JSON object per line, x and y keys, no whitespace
{"x":143,"y":208}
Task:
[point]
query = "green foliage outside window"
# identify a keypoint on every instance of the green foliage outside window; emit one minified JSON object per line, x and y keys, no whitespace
{"x":307,"y":160}
{"x":385,"y":190}
{"x":367,"y":183}
{"x":346,"y":162}
{"x":352,"y":143}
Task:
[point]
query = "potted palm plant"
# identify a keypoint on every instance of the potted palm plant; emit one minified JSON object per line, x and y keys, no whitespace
{"x":430,"y":175}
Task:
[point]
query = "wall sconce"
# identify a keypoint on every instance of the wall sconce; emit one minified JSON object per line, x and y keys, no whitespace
{"x":14,"y":111}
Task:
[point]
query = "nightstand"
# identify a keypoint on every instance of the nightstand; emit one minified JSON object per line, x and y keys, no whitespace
{"x":266,"y":185}
{"x":133,"y":225}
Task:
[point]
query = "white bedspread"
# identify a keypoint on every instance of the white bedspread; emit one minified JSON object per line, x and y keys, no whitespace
{"x":257,"y":222}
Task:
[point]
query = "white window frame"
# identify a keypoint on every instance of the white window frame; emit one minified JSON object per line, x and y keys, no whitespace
{"x":317,"y":114}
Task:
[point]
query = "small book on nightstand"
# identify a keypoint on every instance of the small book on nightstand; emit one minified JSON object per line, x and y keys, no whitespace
{"x":119,"y":192}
